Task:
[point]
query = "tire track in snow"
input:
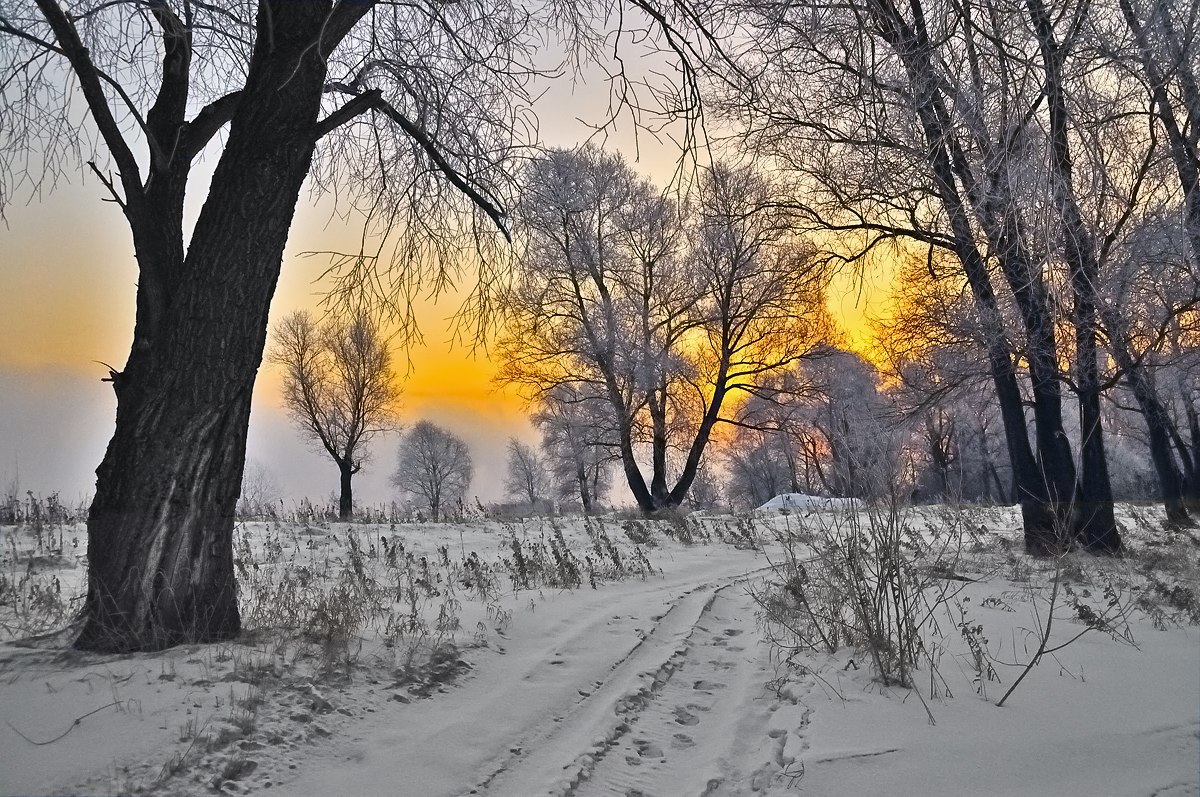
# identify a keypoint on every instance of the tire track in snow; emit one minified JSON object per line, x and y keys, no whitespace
{"x":541,"y":697}
{"x":686,"y":712}
{"x":709,"y":731}
{"x":560,"y":752}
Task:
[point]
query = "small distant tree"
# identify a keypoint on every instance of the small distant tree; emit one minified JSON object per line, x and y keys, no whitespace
{"x":526,"y":479}
{"x":705,"y":493}
{"x":850,"y":418}
{"x":338,"y":387}
{"x":577,"y":443}
{"x":260,"y":491}
{"x":758,"y":464}
{"x":435,"y":468}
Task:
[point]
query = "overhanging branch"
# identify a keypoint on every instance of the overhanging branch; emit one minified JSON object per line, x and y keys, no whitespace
{"x":89,"y":82}
{"x":373,"y":100}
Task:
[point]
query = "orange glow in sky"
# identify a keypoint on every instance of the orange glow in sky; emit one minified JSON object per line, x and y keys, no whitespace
{"x":67,"y":284}
{"x":68,"y":279}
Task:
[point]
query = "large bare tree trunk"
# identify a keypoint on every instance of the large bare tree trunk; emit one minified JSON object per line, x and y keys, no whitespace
{"x":160,"y":529}
{"x":1096,"y":526}
{"x":1041,"y":513}
{"x":1001,"y":221}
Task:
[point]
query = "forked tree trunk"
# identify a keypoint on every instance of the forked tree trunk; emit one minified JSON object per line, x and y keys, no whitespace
{"x":1002,"y":224}
{"x":160,"y":529}
{"x":1095,"y":524}
{"x":1041,"y":513}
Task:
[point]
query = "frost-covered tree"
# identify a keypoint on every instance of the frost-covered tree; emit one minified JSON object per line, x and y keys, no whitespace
{"x":577,"y":441}
{"x":525,"y":477}
{"x":1015,"y":142}
{"x":758,"y":466}
{"x":667,"y":311}
{"x":412,"y":113}
{"x":260,"y":492}
{"x":434,"y":468}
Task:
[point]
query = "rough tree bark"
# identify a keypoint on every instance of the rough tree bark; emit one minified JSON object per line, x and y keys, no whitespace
{"x":160,"y":528}
{"x":346,"y":471}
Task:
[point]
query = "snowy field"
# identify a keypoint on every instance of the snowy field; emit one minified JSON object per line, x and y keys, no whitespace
{"x":618,"y":656}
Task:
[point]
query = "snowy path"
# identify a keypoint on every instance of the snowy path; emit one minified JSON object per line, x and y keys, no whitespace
{"x":655,"y":688}
{"x":642,"y":688}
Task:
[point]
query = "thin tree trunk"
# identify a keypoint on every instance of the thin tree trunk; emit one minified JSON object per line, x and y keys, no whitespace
{"x":346,"y":496}
{"x":938,"y":454}
{"x":1191,"y":455}
{"x":582,"y":479}
{"x":658,"y":447}
{"x":790,"y":454}
{"x":1158,"y":423}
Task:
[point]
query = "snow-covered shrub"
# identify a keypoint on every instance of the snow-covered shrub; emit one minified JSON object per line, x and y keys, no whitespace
{"x":866,"y":579}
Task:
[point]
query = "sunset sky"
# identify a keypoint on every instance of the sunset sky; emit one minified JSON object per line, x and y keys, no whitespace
{"x":67,"y":282}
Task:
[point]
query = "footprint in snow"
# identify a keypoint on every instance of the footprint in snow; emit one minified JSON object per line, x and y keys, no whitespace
{"x":707,"y":686}
{"x":685,"y":717}
{"x":647,"y":749}
{"x":733,"y":632}
{"x":681,"y":741}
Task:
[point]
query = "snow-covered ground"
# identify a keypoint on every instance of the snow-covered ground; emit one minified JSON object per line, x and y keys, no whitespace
{"x":450,"y":659}
{"x":796,"y":501}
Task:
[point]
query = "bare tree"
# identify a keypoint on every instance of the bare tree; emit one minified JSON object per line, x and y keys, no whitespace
{"x":1150,"y":298}
{"x":260,"y":492}
{"x":434,"y":469}
{"x":930,"y":341}
{"x":338,"y":386}
{"x":412,"y":111}
{"x":661,"y":309}
{"x":280,"y":77}
{"x":886,"y":159}
{"x":1019,"y":138}
{"x":1165,"y":46}
{"x":854,"y":422}
{"x":578,"y":437}
{"x":758,"y":465}
{"x":705,"y":494}
{"x":526,"y":479}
